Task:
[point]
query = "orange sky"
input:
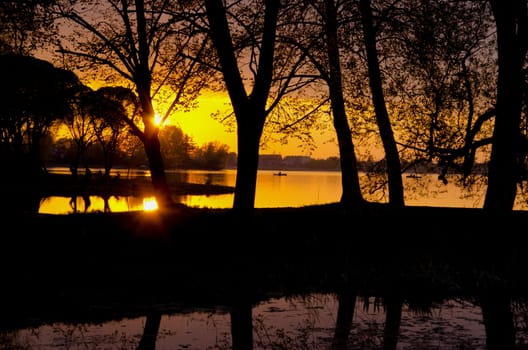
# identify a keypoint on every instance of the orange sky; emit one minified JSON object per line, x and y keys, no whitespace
{"x":199,"y":125}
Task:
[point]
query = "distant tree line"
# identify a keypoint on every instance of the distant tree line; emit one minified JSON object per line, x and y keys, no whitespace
{"x":438,"y":82}
{"x":42,"y":101}
{"x":177,"y":149}
{"x":372,"y":167}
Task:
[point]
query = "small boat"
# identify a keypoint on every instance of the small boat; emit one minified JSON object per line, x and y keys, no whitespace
{"x":280,"y":173}
{"x":414,"y":176}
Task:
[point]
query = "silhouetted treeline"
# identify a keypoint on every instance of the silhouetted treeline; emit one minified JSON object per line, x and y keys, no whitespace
{"x":436,"y":81}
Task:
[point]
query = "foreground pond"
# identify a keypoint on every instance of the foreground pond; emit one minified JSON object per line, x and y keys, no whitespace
{"x":350,"y":295}
{"x":283,"y":323}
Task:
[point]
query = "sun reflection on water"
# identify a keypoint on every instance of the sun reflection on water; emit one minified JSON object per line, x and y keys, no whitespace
{"x":150,"y":204}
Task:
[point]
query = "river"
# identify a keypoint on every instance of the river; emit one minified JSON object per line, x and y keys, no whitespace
{"x":293,"y":189}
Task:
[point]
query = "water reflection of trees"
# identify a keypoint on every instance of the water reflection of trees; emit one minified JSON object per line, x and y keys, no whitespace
{"x":150,"y":332}
{"x":499,"y":331}
{"x":402,"y":276}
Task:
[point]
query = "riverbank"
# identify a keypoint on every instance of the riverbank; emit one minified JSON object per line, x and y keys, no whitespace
{"x":321,"y":229}
{"x":66,"y":185}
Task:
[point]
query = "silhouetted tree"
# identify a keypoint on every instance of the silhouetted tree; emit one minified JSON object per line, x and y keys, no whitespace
{"x":445,"y":72}
{"x":326,"y":58}
{"x":211,"y":155}
{"x":113,"y":110}
{"x":395,"y":181}
{"x":176,"y":147}
{"x":147,"y":44}
{"x":25,"y":26}
{"x":511,"y":21}
{"x":37,"y":95}
{"x":79,"y":125}
{"x":250,"y":109}
{"x":258,"y":71}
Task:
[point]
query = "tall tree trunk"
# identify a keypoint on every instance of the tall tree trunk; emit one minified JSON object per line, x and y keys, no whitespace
{"x":351,"y":195}
{"x":153,"y":151}
{"x":143,"y":80}
{"x":250,"y":111}
{"x":157,"y":170}
{"x":504,"y":164}
{"x":247,"y":166}
{"x":396,"y":196}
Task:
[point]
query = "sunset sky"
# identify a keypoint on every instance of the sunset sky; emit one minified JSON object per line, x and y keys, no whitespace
{"x":202,"y":127}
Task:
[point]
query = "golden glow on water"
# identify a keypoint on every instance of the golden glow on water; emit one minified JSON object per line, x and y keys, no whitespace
{"x":55,"y":205}
{"x":67,"y":205}
{"x":202,"y":201}
{"x":150,"y":204}
{"x":298,"y":188}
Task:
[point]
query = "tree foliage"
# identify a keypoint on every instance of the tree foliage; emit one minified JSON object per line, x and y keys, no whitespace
{"x":38,"y":95}
{"x":146,"y":44}
{"x":25,"y":26}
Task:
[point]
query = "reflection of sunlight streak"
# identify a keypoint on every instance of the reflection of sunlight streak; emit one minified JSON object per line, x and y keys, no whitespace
{"x":150,"y":204}
{"x":205,"y":201}
{"x":299,"y":188}
{"x":61,"y":205}
{"x":55,"y":205}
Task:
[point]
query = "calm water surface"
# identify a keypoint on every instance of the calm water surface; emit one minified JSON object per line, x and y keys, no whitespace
{"x":296,"y":189}
{"x":293,"y":323}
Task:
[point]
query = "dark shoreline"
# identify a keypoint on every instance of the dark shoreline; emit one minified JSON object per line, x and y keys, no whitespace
{"x":89,"y":268}
{"x":101,"y":266}
{"x":65,"y":185}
